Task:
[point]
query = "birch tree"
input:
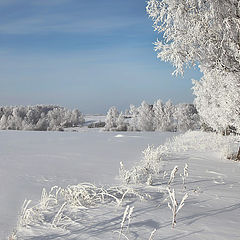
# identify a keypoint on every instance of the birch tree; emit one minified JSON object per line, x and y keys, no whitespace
{"x":206,"y":34}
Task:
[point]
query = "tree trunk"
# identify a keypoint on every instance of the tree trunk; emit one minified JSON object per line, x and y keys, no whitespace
{"x":238,"y":155}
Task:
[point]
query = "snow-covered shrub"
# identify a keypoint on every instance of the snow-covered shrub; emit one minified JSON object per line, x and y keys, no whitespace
{"x":150,"y":165}
{"x":154,"y":159}
{"x":39,"y":118}
{"x":98,"y":124}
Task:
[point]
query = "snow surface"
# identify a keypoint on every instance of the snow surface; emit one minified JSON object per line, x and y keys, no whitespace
{"x":30,"y":161}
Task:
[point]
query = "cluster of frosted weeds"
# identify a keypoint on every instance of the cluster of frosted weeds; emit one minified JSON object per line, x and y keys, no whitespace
{"x":55,"y":207}
{"x":150,"y":165}
{"x":153,"y":161}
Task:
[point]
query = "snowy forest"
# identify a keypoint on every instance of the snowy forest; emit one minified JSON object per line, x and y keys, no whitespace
{"x":40,"y":118}
{"x":157,"y":117}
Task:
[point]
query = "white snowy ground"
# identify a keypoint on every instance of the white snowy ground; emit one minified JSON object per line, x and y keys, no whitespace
{"x":30,"y":161}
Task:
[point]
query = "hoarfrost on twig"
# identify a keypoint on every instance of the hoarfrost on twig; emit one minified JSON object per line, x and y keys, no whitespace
{"x":173,"y":174}
{"x":174,"y":206}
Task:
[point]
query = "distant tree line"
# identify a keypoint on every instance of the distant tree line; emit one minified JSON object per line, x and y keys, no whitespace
{"x":39,"y":118}
{"x":157,"y":117}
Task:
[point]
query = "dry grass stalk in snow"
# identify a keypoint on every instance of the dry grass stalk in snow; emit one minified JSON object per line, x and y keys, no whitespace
{"x":58,"y":216}
{"x":126,"y":212}
{"x":184,"y":175}
{"x":152,"y":234}
{"x":55,"y":207}
{"x":172,"y":175}
{"x":174,"y":205}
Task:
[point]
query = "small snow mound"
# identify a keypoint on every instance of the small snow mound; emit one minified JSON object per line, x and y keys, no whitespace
{"x":119,"y":136}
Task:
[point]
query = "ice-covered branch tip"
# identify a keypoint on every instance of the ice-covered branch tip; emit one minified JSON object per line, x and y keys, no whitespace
{"x":173,"y":174}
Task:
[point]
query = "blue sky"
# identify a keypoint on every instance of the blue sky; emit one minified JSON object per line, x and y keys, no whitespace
{"x":83,"y":54}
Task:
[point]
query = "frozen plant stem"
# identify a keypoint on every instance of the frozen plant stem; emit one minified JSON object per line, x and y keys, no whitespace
{"x":165,"y":174}
{"x":174,"y":206}
{"x":130,"y":216}
{"x":123,"y":220}
{"x":152,"y":234}
{"x":173,"y":174}
{"x":126,"y":215}
{"x":58,"y":216}
{"x":184,"y":175}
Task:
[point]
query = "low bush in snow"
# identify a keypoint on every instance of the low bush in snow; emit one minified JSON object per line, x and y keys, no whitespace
{"x":150,"y":167}
{"x":40,"y":118}
{"x":97,"y":125}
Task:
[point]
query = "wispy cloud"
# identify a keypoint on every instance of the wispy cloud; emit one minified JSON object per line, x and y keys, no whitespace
{"x":33,"y":2}
{"x":62,"y":16}
{"x":65,"y":24}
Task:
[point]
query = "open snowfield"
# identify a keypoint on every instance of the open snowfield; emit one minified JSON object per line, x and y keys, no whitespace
{"x":30,"y":161}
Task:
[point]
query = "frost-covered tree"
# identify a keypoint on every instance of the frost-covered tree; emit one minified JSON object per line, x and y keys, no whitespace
{"x":186,"y":117}
{"x":111,"y":119}
{"x":198,"y":31}
{"x":157,"y":117}
{"x":205,"y":33}
{"x":133,"y":123}
{"x":75,"y":117}
{"x":221,"y":94}
{"x":121,"y":124}
{"x":168,"y":120}
{"x":145,"y":117}
{"x":158,"y":120}
{"x":39,"y":117}
{"x":3,"y":122}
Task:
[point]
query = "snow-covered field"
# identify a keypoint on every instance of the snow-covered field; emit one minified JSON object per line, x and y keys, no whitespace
{"x":30,"y":161}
